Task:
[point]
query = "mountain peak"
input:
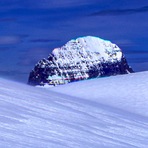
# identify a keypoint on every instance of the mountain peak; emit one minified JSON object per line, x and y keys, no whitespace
{"x":81,"y":58}
{"x":104,"y":48}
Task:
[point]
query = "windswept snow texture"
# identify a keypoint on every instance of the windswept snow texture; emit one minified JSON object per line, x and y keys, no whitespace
{"x":99,"y":113}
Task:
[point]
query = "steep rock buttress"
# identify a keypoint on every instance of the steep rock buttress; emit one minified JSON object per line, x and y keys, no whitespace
{"x":79,"y":59}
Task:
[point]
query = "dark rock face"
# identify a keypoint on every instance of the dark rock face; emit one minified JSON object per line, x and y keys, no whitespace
{"x":83,"y":58}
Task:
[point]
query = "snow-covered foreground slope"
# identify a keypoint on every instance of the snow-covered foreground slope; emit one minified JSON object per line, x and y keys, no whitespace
{"x":100,"y":113}
{"x":127,"y":92}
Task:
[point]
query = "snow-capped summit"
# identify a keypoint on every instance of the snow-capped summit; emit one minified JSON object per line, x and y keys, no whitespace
{"x":82,"y":58}
{"x":90,"y":45}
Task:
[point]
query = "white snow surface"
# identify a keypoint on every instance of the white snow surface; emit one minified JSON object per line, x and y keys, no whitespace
{"x":108,"y":112}
{"x":90,"y":47}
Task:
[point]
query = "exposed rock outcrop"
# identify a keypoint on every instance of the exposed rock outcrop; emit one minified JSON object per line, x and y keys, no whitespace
{"x":83,"y":58}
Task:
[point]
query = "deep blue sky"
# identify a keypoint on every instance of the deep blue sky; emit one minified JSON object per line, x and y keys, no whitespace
{"x":30,"y":29}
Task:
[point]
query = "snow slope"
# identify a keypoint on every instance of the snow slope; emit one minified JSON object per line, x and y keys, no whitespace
{"x":99,"y":113}
{"x":127,"y":92}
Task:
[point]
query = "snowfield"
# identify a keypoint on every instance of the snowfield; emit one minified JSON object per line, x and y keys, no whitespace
{"x":110,"y":112}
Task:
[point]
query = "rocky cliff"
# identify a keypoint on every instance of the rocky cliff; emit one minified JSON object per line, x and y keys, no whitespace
{"x":79,"y":59}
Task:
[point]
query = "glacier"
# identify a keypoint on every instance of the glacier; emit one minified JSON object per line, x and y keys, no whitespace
{"x":108,"y":112}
